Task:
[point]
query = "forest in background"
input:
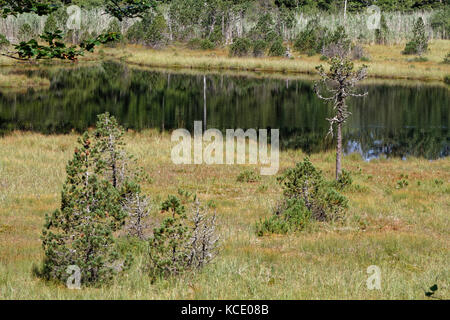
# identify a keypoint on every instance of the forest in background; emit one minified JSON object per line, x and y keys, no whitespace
{"x":219,"y":22}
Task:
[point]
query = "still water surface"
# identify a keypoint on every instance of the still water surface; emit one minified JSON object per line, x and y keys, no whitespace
{"x":394,"y":120}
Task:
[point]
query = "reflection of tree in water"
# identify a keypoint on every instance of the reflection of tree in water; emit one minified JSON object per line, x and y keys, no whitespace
{"x":399,"y":120}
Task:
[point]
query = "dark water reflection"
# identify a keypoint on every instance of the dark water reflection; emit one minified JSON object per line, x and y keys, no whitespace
{"x":394,"y":120}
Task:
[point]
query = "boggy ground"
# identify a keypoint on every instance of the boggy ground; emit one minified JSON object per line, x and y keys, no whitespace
{"x":405,"y":231}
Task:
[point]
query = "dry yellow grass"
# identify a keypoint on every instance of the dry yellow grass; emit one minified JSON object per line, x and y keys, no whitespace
{"x":403,"y":231}
{"x":385,"y":61}
{"x":22,"y":81}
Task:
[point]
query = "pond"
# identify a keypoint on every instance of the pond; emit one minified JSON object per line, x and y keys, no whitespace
{"x":394,"y":120}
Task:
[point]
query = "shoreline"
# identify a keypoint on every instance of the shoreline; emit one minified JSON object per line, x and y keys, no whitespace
{"x":382,"y":66}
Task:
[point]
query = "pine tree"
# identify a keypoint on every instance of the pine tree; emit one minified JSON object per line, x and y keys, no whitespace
{"x":81,"y":232}
{"x":382,"y":33}
{"x":419,"y":41}
{"x":119,"y":168}
{"x":169,"y":248}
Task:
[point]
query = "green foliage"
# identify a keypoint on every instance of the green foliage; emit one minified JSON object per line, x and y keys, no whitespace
{"x":306,"y":196}
{"x":419,"y":41}
{"x":122,"y":9}
{"x":345,"y":180}
{"x":101,"y":194}
{"x":135,"y":33}
{"x":240,"y":47}
{"x":403,"y":182}
{"x":149,"y":31}
{"x":51,"y":24}
{"x":432,"y":291}
{"x":154,"y":34}
{"x":382,"y":33}
{"x":306,"y":182}
{"x":337,"y":44}
{"x":291,"y":216}
{"x":248,"y":176}
{"x":312,"y":39}
{"x":440,"y":22}
{"x":447,"y":79}
{"x":25,"y":33}
{"x":259,"y":48}
{"x":81,"y":232}
{"x":277,"y":49}
{"x":264,"y":29}
{"x":56,"y":49}
{"x":4,"y":42}
{"x":446,"y":59}
{"x":39,"y":7}
{"x":114,"y":28}
{"x":90,"y":44}
{"x":169,"y":245}
{"x":180,"y":244}
{"x":316,"y":39}
{"x":203,"y":44}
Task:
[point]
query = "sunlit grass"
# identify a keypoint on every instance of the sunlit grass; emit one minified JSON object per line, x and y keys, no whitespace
{"x":385,"y":61}
{"x":403,"y":231}
{"x":22,"y":81}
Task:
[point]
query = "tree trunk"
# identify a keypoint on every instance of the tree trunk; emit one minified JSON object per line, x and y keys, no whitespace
{"x":345,"y":12}
{"x":339,"y":151}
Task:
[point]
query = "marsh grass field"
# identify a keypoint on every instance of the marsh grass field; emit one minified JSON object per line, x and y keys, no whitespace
{"x":405,"y":230}
{"x":385,"y":62}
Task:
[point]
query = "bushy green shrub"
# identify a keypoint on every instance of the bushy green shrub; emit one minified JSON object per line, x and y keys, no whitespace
{"x":180,"y":244}
{"x":248,"y":176}
{"x":26,"y":33}
{"x":149,"y":31}
{"x":200,"y":44}
{"x":194,"y":43}
{"x":264,"y":29}
{"x":135,"y":33}
{"x":169,"y":246}
{"x":259,"y":48}
{"x":206,"y":44}
{"x":114,"y":26}
{"x":290,"y":216}
{"x":240,"y":47}
{"x":277,"y":49}
{"x":154,"y":34}
{"x":312,"y":39}
{"x":337,"y":44}
{"x":4,"y":42}
{"x":306,"y":196}
{"x":447,"y":79}
{"x":447,"y":59}
{"x":345,"y":180}
{"x":419,"y":41}
{"x":51,"y":25}
{"x":216,"y":36}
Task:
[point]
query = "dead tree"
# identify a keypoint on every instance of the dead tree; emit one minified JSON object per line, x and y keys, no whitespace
{"x":138,"y":208}
{"x":339,"y":82}
{"x":204,"y":240}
